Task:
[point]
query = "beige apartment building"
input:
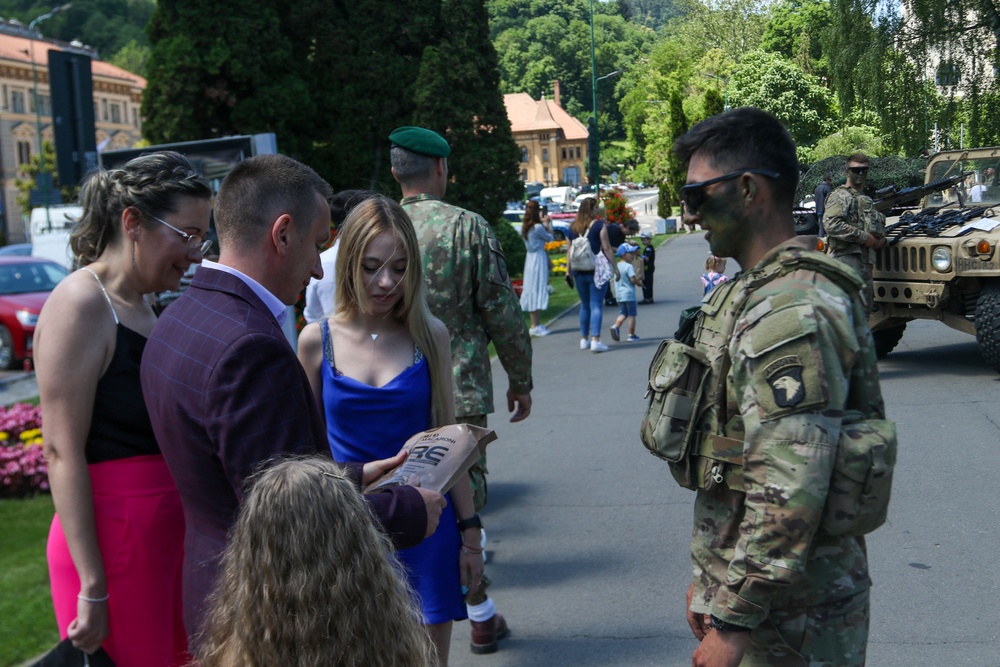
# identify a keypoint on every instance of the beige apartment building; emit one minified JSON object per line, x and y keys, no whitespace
{"x":117,"y":101}
{"x":553,"y":144}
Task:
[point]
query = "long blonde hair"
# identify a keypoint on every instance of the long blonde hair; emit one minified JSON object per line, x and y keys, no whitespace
{"x":364,"y":223}
{"x":585,"y":215}
{"x":309,"y":580}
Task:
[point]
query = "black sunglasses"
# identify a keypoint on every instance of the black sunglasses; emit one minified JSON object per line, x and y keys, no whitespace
{"x":693,"y":194}
{"x":858,"y":170}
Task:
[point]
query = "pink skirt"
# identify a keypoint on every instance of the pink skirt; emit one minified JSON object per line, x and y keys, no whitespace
{"x":140,"y":530}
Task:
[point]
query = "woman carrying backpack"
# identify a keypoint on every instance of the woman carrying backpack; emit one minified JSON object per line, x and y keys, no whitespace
{"x":588,"y":237}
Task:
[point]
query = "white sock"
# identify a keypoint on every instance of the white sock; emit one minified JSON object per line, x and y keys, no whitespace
{"x":481,"y":612}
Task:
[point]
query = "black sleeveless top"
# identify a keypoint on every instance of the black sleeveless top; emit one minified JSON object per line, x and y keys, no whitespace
{"x":119,"y":425}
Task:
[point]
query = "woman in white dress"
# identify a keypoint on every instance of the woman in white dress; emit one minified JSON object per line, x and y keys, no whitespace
{"x":537,"y":231}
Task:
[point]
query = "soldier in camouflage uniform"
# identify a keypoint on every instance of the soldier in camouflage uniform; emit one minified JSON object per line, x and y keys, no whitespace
{"x":854,"y":229}
{"x":469,"y":290}
{"x":790,"y":353}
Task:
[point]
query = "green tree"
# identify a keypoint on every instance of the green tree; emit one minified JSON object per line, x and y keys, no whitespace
{"x":676,"y":174}
{"x":132,"y":57}
{"x":27,"y":182}
{"x":713,"y":103}
{"x":484,"y":158}
{"x":797,"y":99}
{"x":849,"y":140}
{"x":794,"y":33}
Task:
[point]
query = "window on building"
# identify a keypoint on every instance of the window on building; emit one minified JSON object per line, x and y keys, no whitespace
{"x":545,"y":155}
{"x":116,"y":113}
{"x":545,"y":174}
{"x":125,"y":111}
{"x":3,"y":92}
{"x":23,"y":153}
{"x":135,"y":117}
{"x":524,"y":174}
{"x":96,"y":112}
{"x":104,"y":110}
{"x":577,"y":152}
{"x":543,"y":136}
{"x":31,"y":103}
{"x":564,"y":152}
{"x":524,"y":153}
{"x":948,"y":74}
{"x":17,"y":102}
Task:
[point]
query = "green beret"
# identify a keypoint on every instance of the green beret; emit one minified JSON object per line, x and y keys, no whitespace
{"x":420,"y":140}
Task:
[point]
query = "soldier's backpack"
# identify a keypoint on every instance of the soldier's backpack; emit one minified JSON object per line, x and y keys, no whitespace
{"x":861,"y":482}
{"x":581,"y":255}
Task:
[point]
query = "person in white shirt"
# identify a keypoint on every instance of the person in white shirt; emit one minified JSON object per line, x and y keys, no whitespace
{"x":320,"y":292}
{"x":978,"y":190}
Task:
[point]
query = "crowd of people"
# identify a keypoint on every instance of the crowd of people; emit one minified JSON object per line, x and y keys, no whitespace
{"x":207,"y":477}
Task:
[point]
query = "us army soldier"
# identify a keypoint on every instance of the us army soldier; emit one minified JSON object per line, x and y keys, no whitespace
{"x":469,"y":290}
{"x":854,"y":229}
{"x":790,"y":356}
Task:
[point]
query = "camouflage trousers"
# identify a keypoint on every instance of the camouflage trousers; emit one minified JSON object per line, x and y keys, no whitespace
{"x":829,"y":636}
{"x":864,"y":269}
{"x":477,"y":475}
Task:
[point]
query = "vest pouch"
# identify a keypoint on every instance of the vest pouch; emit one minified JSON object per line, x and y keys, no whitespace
{"x":858,"y":500}
{"x":676,"y":378}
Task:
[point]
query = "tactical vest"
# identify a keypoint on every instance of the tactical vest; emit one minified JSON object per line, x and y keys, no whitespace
{"x":691,"y":424}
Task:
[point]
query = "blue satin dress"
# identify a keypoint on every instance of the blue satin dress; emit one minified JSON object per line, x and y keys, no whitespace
{"x":366,"y":423}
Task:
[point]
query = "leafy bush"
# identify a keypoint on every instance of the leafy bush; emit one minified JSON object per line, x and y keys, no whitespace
{"x":514,"y":250}
{"x":23,"y":470}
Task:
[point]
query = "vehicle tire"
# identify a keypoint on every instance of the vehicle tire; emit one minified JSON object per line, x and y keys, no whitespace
{"x":887,"y":338}
{"x":7,"y":359}
{"x":806,"y":224}
{"x":558,"y":235}
{"x":988,"y":323}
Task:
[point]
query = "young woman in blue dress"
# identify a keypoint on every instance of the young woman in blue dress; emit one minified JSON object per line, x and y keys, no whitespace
{"x":381,"y":371}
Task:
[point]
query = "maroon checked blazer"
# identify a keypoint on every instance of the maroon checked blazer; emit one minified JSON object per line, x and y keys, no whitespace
{"x":225,"y":392}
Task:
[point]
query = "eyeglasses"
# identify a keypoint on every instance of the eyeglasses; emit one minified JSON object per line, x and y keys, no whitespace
{"x":194,"y":241}
{"x":693,"y":194}
{"x":860,"y":171}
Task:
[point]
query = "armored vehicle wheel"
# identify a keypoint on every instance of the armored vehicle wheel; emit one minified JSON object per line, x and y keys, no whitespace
{"x":887,"y":338}
{"x":988,"y":323}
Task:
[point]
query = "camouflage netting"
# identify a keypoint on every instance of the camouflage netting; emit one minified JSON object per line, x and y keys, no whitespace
{"x":886,"y":171}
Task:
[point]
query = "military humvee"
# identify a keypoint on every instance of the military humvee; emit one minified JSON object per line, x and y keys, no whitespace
{"x":941,"y":260}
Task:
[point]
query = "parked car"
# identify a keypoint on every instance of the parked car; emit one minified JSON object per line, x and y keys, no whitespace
{"x":16,"y":249}
{"x":25,"y":284}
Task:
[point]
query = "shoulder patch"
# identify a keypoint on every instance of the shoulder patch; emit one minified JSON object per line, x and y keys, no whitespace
{"x":498,"y":264}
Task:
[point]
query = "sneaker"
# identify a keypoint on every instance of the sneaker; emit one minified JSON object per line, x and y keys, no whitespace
{"x":584,"y":343}
{"x":616,"y":334}
{"x":598,"y":346}
{"x":540,"y":330}
{"x":632,"y":338}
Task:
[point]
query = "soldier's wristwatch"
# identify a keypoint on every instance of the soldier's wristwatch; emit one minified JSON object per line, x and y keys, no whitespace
{"x":722,"y":626}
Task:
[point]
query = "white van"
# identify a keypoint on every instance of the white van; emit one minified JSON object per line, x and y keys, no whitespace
{"x":50,"y":233}
{"x":561,"y":195}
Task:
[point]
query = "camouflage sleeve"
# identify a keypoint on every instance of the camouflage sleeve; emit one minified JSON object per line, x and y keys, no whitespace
{"x":840,"y":221}
{"x":500,"y":309}
{"x":790,"y":383}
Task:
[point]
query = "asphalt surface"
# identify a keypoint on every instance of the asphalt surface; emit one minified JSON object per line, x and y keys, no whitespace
{"x":588,"y":534}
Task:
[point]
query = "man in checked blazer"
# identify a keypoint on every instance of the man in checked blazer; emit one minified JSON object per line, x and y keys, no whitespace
{"x":224,"y":389}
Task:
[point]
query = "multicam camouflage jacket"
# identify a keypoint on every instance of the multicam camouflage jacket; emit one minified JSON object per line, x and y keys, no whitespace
{"x":788,"y":354}
{"x":849,"y":218}
{"x":469,"y":290}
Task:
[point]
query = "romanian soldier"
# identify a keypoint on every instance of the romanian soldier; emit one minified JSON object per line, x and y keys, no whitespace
{"x":469,"y":290}
{"x":789,"y":356}
{"x":854,"y":229}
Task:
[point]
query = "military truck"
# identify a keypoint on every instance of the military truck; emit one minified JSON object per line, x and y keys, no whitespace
{"x":941,"y":260}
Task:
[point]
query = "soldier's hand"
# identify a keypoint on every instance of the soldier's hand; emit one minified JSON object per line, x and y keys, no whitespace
{"x":522,"y":402}
{"x":880,"y":243}
{"x":870,"y":241}
{"x":721,"y":649}
{"x":699,"y":622}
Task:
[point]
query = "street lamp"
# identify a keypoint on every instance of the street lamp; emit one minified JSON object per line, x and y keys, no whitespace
{"x":45,"y":179}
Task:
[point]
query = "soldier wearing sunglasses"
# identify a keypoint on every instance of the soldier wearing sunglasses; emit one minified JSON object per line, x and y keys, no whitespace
{"x":789,"y":356}
{"x":854,"y":229}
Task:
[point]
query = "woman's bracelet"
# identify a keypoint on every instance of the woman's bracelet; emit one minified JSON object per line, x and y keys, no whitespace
{"x":471,"y":549}
{"x":83,"y":597}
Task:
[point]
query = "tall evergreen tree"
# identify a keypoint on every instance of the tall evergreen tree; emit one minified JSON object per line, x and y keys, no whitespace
{"x":678,"y":127}
{"x":457,"y":93}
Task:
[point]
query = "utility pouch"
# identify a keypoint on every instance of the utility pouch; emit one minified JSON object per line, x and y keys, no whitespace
{"x":677,"y":376}
{"x":858,"y":500}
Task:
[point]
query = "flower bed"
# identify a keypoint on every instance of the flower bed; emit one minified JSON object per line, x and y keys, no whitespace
{"x":23,"y":471}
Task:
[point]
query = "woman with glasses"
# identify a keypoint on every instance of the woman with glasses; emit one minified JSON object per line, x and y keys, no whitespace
{"x":116,"y":545}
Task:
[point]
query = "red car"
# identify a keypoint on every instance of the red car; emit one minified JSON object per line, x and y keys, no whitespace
{"x":25,"y":284}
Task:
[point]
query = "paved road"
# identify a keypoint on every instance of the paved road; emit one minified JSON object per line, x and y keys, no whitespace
{"x":589,"y":536}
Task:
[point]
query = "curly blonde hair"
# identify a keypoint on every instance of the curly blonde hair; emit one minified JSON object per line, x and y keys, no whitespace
{"x":152,"y":183}
{"x":308,"y":579}
{"x":365,"y":222}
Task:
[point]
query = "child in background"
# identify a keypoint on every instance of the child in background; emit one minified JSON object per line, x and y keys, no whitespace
{"x":625,"y":292}
{"x":648,"y":266}
{"x":715,"y":272}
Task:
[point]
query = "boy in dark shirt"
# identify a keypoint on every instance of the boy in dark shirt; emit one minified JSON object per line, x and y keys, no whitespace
{"x":648,"y":265}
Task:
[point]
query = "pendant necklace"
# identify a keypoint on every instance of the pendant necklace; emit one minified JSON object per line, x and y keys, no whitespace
{"x":374,"y":337}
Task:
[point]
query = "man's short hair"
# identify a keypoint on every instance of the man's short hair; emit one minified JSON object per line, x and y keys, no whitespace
{"x":259,"y":190}
{"x":343,"y":202}
{"x":409,"y":166}
{"x":745,"y":138}
{"x":827,"y":178}
{"x":859,"y":158}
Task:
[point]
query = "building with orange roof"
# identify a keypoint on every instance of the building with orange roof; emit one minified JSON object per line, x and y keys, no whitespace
{"x":553,"y":144}
{"x":117,"y":117}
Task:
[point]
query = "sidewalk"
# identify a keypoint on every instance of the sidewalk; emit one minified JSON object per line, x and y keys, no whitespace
{"x":588,"y":535}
